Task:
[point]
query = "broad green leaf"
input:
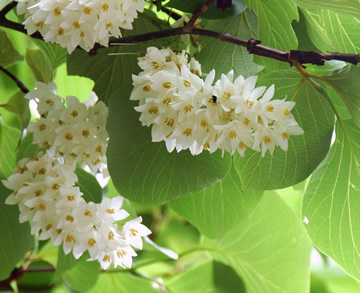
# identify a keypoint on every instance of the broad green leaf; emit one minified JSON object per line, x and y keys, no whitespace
{"x":20,"y":106}
{"x":212,"y":12}
{"x":49,"y":253}
{"x":40,"y":65}
{"x":305,"y":152}
{"x":144,"y":171}
{"x":346,"y":7}
{"x":54,"y":53}
{"x":83,"y":276}
{"x":65,"y":263}
{"x":215,"y":277}
{"x":331,"y":32}
{"x":15,"y":237}
{"x":8,"y":54}
{"x":345,"y":82}
{"x":275,"y":30}
{"x":89,"y":186}
{"x":215,"y":210}
{"x":125,"y":283}
{"x":111,"y":73}
{"x":9,"y":138}
{"x":332,"y":198}
{"x":270,"y":250}
{"x":224,"y":56}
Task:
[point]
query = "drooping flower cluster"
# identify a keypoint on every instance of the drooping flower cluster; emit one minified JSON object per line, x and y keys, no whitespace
{"x":189,"y":112}
{"x":44,"y":186}
{"x":73,"y":23}
{"x":75,"y":133}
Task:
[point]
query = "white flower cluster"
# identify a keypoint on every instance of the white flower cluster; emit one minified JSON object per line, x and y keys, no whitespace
{"x":44,"y":186}
{"x":188,"y":112}
{"x":75,"y":133}
{"x":83,"y":23}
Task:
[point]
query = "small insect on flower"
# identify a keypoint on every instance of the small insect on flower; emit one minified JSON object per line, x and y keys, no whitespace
{"x":214,"y":99}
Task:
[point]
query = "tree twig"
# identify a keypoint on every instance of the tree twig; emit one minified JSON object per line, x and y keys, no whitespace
{"x":18,"y":82}
{"x":190,"y":25}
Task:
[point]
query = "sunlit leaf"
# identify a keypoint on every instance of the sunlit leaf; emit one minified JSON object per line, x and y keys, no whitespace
{"x":20,"y":106}
{"x":8,"y":54}
{"x":331,"y":32}
{"x":89,"y":186}
{"x":332,"y":198}
{"x":275,"y":30}
{"x":346,"y":7}
{"x":305,"y":152}
{"x":40,"y":65}
{"x":269,"y":250}
{"x":215,"y":210}
{"x":345,"y":82}
{"x":215,"y":277}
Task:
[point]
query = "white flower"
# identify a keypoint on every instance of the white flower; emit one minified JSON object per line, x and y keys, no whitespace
{"x":133,"y":232}
{"x":109,"y":210}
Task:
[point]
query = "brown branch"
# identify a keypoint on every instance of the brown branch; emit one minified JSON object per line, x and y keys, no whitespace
{"x":190,"y":25}
{"x":7,"y":8}
{"x":18,"y":82}
{"x":253,"y":46}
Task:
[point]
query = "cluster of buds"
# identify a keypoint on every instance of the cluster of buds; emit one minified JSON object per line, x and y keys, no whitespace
{"x":189,"y":112}
{"x":44,"y":186}
{"x":73,"y":23}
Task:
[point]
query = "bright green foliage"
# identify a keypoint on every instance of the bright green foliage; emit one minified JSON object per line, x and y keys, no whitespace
{"x":144,"y":171}
{"x":214,"y":276}
{"x":225,"y":56}
{"x":349,"y":7}
{"x":342,"y":37}
{"x":233,"y":229}
{"x":331,"y":200}
{"x":345,"y":82}
{"x":275,"y":18}
{"x":269,"y":250}
{"x":305,"y":152}
{"x":8,"y":54}
{"x":219,"y":207}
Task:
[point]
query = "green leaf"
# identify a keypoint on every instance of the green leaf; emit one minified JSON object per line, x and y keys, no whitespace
{"x":84,"y":275}
{"x":305,"y":152}
{"x":89,"y":186}
{"x":20,"y":106}
{"x":27,"y":149}
{"x":212,"y":12}
{"x":40,"y":65}
{"x":16,"y":237}
{"x":123,"y":282}
{"x":331,"y":32}
{"x":270,"y":250}
{"x":9,"y":138}
{"x":215,"y":210}
{"x":215,"y":277}
{"x":8,"y":54}
{"x":54,"y":53}
{"x":144,"y":171}
{"x":275,"y":30}
{"x":345,"y":82}
{"x":112,"y":73}
{"x":43,"y":279}
{"x":65,"y":263}
{"x":225,"y":56}
{"x":332,"y":198}
{"x":346,"y":7}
